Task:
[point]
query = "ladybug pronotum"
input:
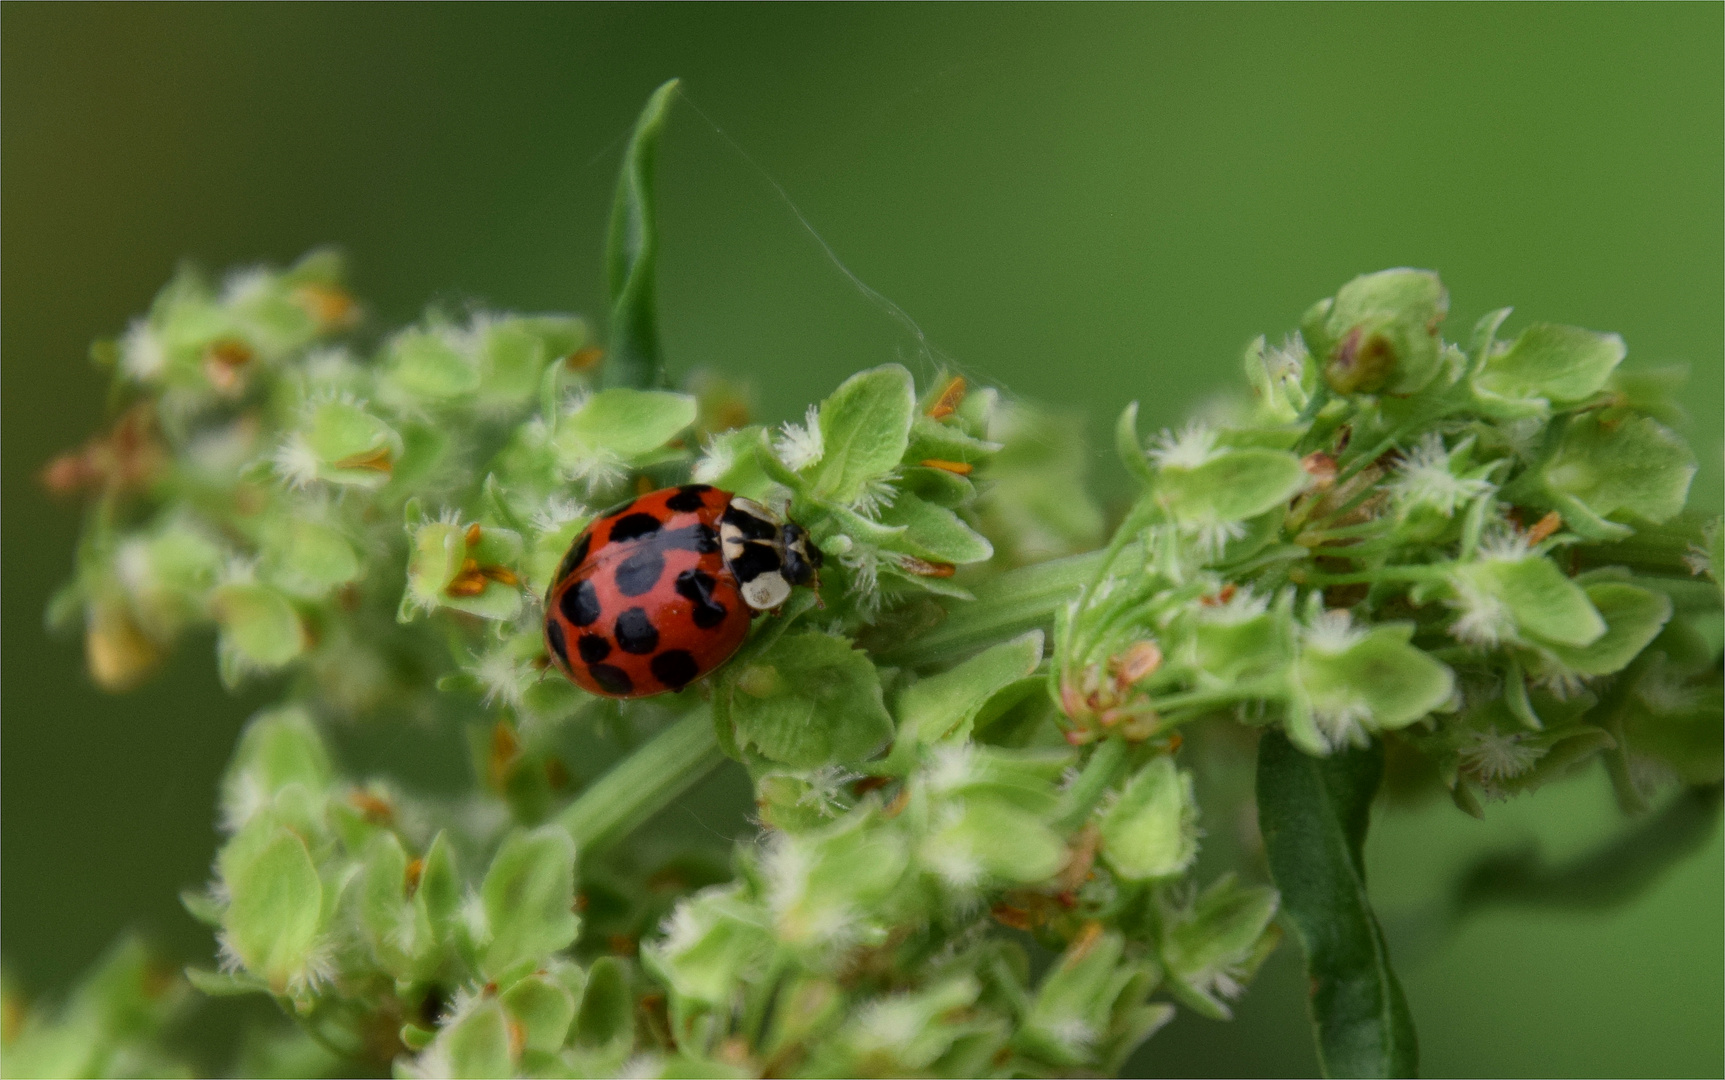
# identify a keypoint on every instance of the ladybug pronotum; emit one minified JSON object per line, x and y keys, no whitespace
{"x":659,"y":591}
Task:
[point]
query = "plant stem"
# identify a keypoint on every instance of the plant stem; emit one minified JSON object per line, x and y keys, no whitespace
{"x":1017,"y":601}
{"x":1099,"y":774}
{"x":672,"y":761}
{"x":643,"y":783}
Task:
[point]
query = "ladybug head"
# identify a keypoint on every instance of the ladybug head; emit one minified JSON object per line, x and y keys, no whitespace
{"x":802,"y":557}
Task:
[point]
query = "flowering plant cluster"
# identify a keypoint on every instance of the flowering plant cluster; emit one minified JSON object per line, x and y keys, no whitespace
{"x":977,"y":837}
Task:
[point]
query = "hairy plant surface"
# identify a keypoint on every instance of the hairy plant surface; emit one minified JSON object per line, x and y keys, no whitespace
{"x":978,"y":839}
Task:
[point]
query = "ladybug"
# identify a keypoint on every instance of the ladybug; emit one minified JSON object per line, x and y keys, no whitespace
{"x":659,"y":591}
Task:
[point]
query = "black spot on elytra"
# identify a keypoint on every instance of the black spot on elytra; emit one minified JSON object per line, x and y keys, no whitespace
{"x":577,"y":555}
{"x":580,"y":603}
{"x":636,"y":575}
{"x":752,"y":527}
{"x":633,"y":527}
{"x":756,"y":559}
{"x":697,"y":586}
{"x":613,"y":680}
{"x":635,"y":632}
{"x":592,"y":648}
{"x":554,"y":639}
{"x":700,"y":537}
{"x":688,"y":497}
{"x":674,"y":667}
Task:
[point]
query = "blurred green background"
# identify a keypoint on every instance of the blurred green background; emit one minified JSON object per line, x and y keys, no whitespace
{"x":1084,"y":204}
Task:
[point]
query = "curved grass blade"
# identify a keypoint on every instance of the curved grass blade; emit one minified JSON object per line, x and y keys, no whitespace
{"x":632,"y":254}
{"x":1313,"y":813}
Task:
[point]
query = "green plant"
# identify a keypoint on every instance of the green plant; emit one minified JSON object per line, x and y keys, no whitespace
{"x":978,"y":844}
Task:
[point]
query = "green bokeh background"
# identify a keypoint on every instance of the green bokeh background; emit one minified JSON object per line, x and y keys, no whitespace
{"x":1083,"y":204}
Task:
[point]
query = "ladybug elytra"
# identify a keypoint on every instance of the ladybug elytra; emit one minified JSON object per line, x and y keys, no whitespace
{"x":659,"y":591}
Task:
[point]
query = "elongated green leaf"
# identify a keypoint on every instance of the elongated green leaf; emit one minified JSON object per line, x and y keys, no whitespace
{"x":631,"y":254}
{"x":1313,"y":813}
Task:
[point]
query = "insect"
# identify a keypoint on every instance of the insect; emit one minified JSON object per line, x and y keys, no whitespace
{"x":659,"y":591}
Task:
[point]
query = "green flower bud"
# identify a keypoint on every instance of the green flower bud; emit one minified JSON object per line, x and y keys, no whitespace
{"x":279,"y":747}
{"x":1074,"y":1008}
{"x":1379,"y":334}
{"x":1212,"y":947}
{"x":432,"y":365}
{"x":828,"y":888}
{"x":473,"y":1046}
{"x":339,"y":443}
{"x":1151,"y":830}
{"x":715,"y":943}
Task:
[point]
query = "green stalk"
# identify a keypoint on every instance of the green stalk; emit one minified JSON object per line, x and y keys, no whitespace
{"x":1099,"y":774}
{"x":1017,"y":601}
{"x":672,"y":761}
{"x":643,"y":783}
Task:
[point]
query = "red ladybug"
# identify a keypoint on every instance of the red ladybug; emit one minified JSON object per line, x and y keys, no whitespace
{"x":659,"y":591}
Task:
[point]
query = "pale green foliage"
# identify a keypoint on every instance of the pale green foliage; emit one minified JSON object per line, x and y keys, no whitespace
{"x":948,"y":788}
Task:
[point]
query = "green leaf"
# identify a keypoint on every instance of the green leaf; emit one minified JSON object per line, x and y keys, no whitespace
{"x":944,"y":706}
{"x":605,"y":1021}
{"x":426,"y":364}
{"x":934,"y":532}
{"x":1217,"y":942}
{"x":1130,"y":449}
{"x":989,"y":839}
{"x":527,"y":895}
{"x":632,"y":253}
{"x":278,"y":747}
{"x":1151,"y":831}
{"x":1394,"y":682}
{"x":720,"y":943}
{"x":1232,"y":486}
{"x":809,"y":700}
{"x":276,"y":900}
{"x":1633,"y":617}
{"x":865,"y":428}
{"x":544,"y":1008}
{"x":258,"y":623}
{"x":1625,"y":468}
{"x":476,"y":1047}
{"x":1546,"y":365}
{"x":625,"y":422}
{"x":1544,"y":604}
{"x":1313,"y":813}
